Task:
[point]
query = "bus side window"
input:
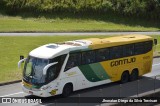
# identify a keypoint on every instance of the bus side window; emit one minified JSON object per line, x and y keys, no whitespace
{"x":139,"y":48}
{"x":88,"y":57}
{"x":54,"y":70}
{"x":116,"y":52}
{"x":148,"y":46}
{"x":74,"y":60}
{"x":102,"y":55}
{"x":128,"y":50}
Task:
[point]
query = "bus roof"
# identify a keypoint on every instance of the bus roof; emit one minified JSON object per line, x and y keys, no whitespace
{"x":118,"y":40}
{"x":54,"y":50}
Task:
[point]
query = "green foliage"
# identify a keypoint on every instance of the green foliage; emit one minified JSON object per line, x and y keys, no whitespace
{"x":138,"y":8}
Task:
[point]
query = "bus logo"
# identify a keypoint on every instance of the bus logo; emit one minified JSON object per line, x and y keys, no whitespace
{"x":123,"y":61}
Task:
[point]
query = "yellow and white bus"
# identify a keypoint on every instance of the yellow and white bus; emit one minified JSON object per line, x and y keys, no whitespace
{"x":55,"y":69}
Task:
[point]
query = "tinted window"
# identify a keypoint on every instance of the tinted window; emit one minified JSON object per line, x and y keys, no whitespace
{"x":74,"y":60}
{"x":53,"y":71}
{"x":88,"y":57}
{"x":102,"y":54}
{"x":148,"y":46}
{"x":116,"y":52}
{"x":128,"y":50}
{"x":139,"y":48}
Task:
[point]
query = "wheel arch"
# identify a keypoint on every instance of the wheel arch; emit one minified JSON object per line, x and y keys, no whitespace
{"x":135,"y":69}
{"x":69,"y":83}
{"x":124,"y":77}
{"x":125,"y":71}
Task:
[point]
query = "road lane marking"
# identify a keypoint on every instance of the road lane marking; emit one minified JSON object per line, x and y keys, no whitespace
{"x":12,"y":94}
{"x":156,"y":64}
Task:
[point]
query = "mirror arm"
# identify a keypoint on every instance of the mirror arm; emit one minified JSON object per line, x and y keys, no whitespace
{"x":20,"y":62}
{"x":155,"y":41}
{"x":47,"y":66}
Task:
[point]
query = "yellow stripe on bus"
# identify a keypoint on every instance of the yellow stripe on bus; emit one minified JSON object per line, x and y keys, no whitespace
{"x":27,"y":84}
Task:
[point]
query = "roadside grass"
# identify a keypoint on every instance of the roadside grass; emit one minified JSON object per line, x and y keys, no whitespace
{"x":14,"y":46}
{"x":75,"y":24}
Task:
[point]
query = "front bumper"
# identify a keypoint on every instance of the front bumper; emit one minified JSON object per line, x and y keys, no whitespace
{"x":40,"y":93}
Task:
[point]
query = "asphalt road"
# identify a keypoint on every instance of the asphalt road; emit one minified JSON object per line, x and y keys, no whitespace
{"x":145,"y":85}
{"x":77,"y":33}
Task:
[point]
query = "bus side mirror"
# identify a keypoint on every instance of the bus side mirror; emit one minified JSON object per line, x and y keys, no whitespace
{"x":47,"y":66}
{"x":155,"y":41}
{"x":21,"y":57}
{"x":20,"y":62}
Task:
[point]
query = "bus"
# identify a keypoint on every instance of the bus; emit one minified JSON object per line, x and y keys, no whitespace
{"x":62,"y":68}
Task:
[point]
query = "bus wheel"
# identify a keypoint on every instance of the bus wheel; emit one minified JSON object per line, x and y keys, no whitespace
{"x":134,"y":75}
{"x":125,"y":77}
{"x":67,"y":90}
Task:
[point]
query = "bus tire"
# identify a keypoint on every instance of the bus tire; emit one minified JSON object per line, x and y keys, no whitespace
{"x":67,"y":90}
{"x":134,"y":75}
{"x":125,"y":77}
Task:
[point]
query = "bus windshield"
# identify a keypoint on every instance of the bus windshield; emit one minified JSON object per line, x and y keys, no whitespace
{"x":33,"y":70}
